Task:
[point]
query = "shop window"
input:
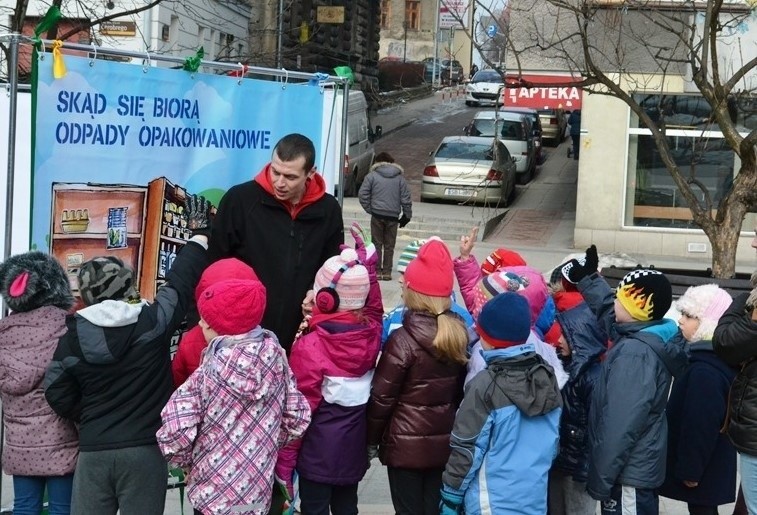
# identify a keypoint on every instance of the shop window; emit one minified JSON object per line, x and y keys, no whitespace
{"x":413,"y":14}
{"x":655,"y":200}
{"x":386,"y":13}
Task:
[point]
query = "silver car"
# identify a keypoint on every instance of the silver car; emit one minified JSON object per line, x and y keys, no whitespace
{"x":471,"y":170}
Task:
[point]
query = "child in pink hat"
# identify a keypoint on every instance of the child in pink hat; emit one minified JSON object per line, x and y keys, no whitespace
{"x":333,"y":362}
{"x":418,"y":384}
{"x":226,"y":423}
{"x":701,"y":461}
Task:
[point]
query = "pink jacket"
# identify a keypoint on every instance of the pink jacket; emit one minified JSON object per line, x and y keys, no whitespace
{"x":229,"y":419}
{"x":37,"y":441}
{"x":321,"y":360}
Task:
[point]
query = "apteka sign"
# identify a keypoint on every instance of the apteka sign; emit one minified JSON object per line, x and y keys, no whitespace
{"x":558,"y":96}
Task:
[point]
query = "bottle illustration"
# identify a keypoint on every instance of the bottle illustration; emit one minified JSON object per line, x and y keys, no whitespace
{"x":162,"y":261}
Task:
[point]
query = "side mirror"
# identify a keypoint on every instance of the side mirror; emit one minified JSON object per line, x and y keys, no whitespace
{"x":512,"y":159}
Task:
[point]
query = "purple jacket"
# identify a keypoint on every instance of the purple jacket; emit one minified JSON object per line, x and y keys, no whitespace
{"x":37,"y":441}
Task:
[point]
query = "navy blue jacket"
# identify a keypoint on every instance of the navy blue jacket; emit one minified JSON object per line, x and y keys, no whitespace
{"x":697,"y":450}
{"x":587,"y":342}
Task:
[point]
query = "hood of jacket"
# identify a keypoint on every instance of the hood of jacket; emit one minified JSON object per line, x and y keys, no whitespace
{"x":586,"y":338}
{"x":528,"y":382}
{"x":387,"y":170}
{"x":105,"y":330}
{"x":244,"y":363}
{"x":664,"y":338}
{"x":422,"y":328}
{"x":315,"y":188}
{"x":355,"y":350}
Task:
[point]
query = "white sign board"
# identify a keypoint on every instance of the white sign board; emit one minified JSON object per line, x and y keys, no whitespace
{"x":452,"y":13}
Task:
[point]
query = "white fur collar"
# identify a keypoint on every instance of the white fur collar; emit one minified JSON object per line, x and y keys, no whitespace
{"x":112,"y":313}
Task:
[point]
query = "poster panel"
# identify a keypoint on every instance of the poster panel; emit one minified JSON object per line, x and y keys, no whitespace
{"x":111,"y":123}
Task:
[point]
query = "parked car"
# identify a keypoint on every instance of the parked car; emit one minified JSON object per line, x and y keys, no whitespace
{"x":470,"y":169}
{"x":514,"y":130}
{"x":450,"y":71}
{"x":486,"y":86}
{"x":553,"y":123}
{"x":428,"y":70}
{"x":536,"y":130}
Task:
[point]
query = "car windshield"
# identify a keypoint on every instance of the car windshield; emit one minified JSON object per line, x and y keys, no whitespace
{"x":488,"y":76}
{"x":464,"y":150}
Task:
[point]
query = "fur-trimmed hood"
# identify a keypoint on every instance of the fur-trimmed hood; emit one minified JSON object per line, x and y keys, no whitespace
{"x":388,"y":170}
{"x":34,"y":279}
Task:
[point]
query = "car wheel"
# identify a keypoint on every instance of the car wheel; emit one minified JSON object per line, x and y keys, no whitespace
{"x":469,"y":103}
{"x":525,"y":178}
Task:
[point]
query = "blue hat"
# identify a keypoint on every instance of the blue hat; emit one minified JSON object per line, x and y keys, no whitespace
{"x":505,"y":321}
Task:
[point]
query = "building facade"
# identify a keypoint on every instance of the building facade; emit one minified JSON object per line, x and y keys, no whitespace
{"x":409,"y":28}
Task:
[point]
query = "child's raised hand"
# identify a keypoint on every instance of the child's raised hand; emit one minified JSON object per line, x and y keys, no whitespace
{"x":467,"y":242}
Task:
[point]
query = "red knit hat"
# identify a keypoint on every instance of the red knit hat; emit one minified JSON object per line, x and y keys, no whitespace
{"x":431,"y":273}
{"x":223,"y":270}
{"x":233,"y":307}
{"x":501,"y":258}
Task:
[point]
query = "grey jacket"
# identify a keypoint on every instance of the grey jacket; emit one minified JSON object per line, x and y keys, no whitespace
{"x":627,"y":423}
{"x":385,"y":192}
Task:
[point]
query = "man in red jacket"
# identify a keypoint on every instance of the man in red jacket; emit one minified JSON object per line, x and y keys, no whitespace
{"x":285,"y":226}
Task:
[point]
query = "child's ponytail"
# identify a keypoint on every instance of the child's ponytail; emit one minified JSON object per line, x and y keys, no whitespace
{"x":451,"y":338}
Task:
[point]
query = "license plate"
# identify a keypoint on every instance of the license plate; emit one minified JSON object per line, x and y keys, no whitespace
{"x":458,"y":192}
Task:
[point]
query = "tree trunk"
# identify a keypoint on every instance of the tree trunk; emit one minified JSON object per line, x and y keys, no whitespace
{"x":725,"y":240}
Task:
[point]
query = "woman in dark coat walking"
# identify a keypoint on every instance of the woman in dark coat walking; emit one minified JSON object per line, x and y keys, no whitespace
{"x":701,"y":465}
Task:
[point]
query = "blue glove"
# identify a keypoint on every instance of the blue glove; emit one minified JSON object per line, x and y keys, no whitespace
{"x":452,"y":502}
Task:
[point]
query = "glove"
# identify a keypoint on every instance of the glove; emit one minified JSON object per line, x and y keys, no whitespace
{"x":372,"y":452}
{"x":404,"y":220}
{"x":452,"y":502}
{"x":286,"y":487}
{"x":580,"y":270}
{"x":365,"y":253}
{"x":198,"y":215}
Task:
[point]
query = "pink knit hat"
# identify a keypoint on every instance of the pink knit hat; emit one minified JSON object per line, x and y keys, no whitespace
{"x":706,"y":303}
{"x":235,"y":306}
{"x":352,"y":286}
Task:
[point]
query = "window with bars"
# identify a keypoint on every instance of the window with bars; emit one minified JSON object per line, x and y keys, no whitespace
{"x":386,"y":13}
{"x":413,"y":14}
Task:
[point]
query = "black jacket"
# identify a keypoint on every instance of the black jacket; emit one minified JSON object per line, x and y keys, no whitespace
{"x":587,"y":342}
{"x":697,"y":450}
{"x":285,"y":253}
{"x":111,"y":371}
{"x":735,"y":342}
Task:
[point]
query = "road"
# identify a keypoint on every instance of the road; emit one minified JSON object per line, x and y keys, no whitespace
{"x":412,"y":145}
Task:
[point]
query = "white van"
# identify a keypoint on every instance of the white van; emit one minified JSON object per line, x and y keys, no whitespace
{"x":514,"y":130}
{"x":360,"y":136}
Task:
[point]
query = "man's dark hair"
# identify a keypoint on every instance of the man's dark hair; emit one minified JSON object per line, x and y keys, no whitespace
{"x":294,"y":146}
{"x":383,"y":157}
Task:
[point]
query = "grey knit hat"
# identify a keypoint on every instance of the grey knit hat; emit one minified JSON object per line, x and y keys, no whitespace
{"x":106,"y":278}
{"x":34,"y":279}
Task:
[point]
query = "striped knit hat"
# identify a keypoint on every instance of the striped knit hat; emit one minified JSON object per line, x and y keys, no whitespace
{"x":409,"y":253}
{"x":501,"y":258}
{"x":106,"y":278}
{"x":353,"y":285}
{"x":498,"y":282}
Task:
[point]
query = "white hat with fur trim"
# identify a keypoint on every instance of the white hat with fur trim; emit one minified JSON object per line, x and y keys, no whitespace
{"x":706,"y":303}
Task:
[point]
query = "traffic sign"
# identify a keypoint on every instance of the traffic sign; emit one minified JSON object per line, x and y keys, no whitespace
{"x":491,"y":31}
